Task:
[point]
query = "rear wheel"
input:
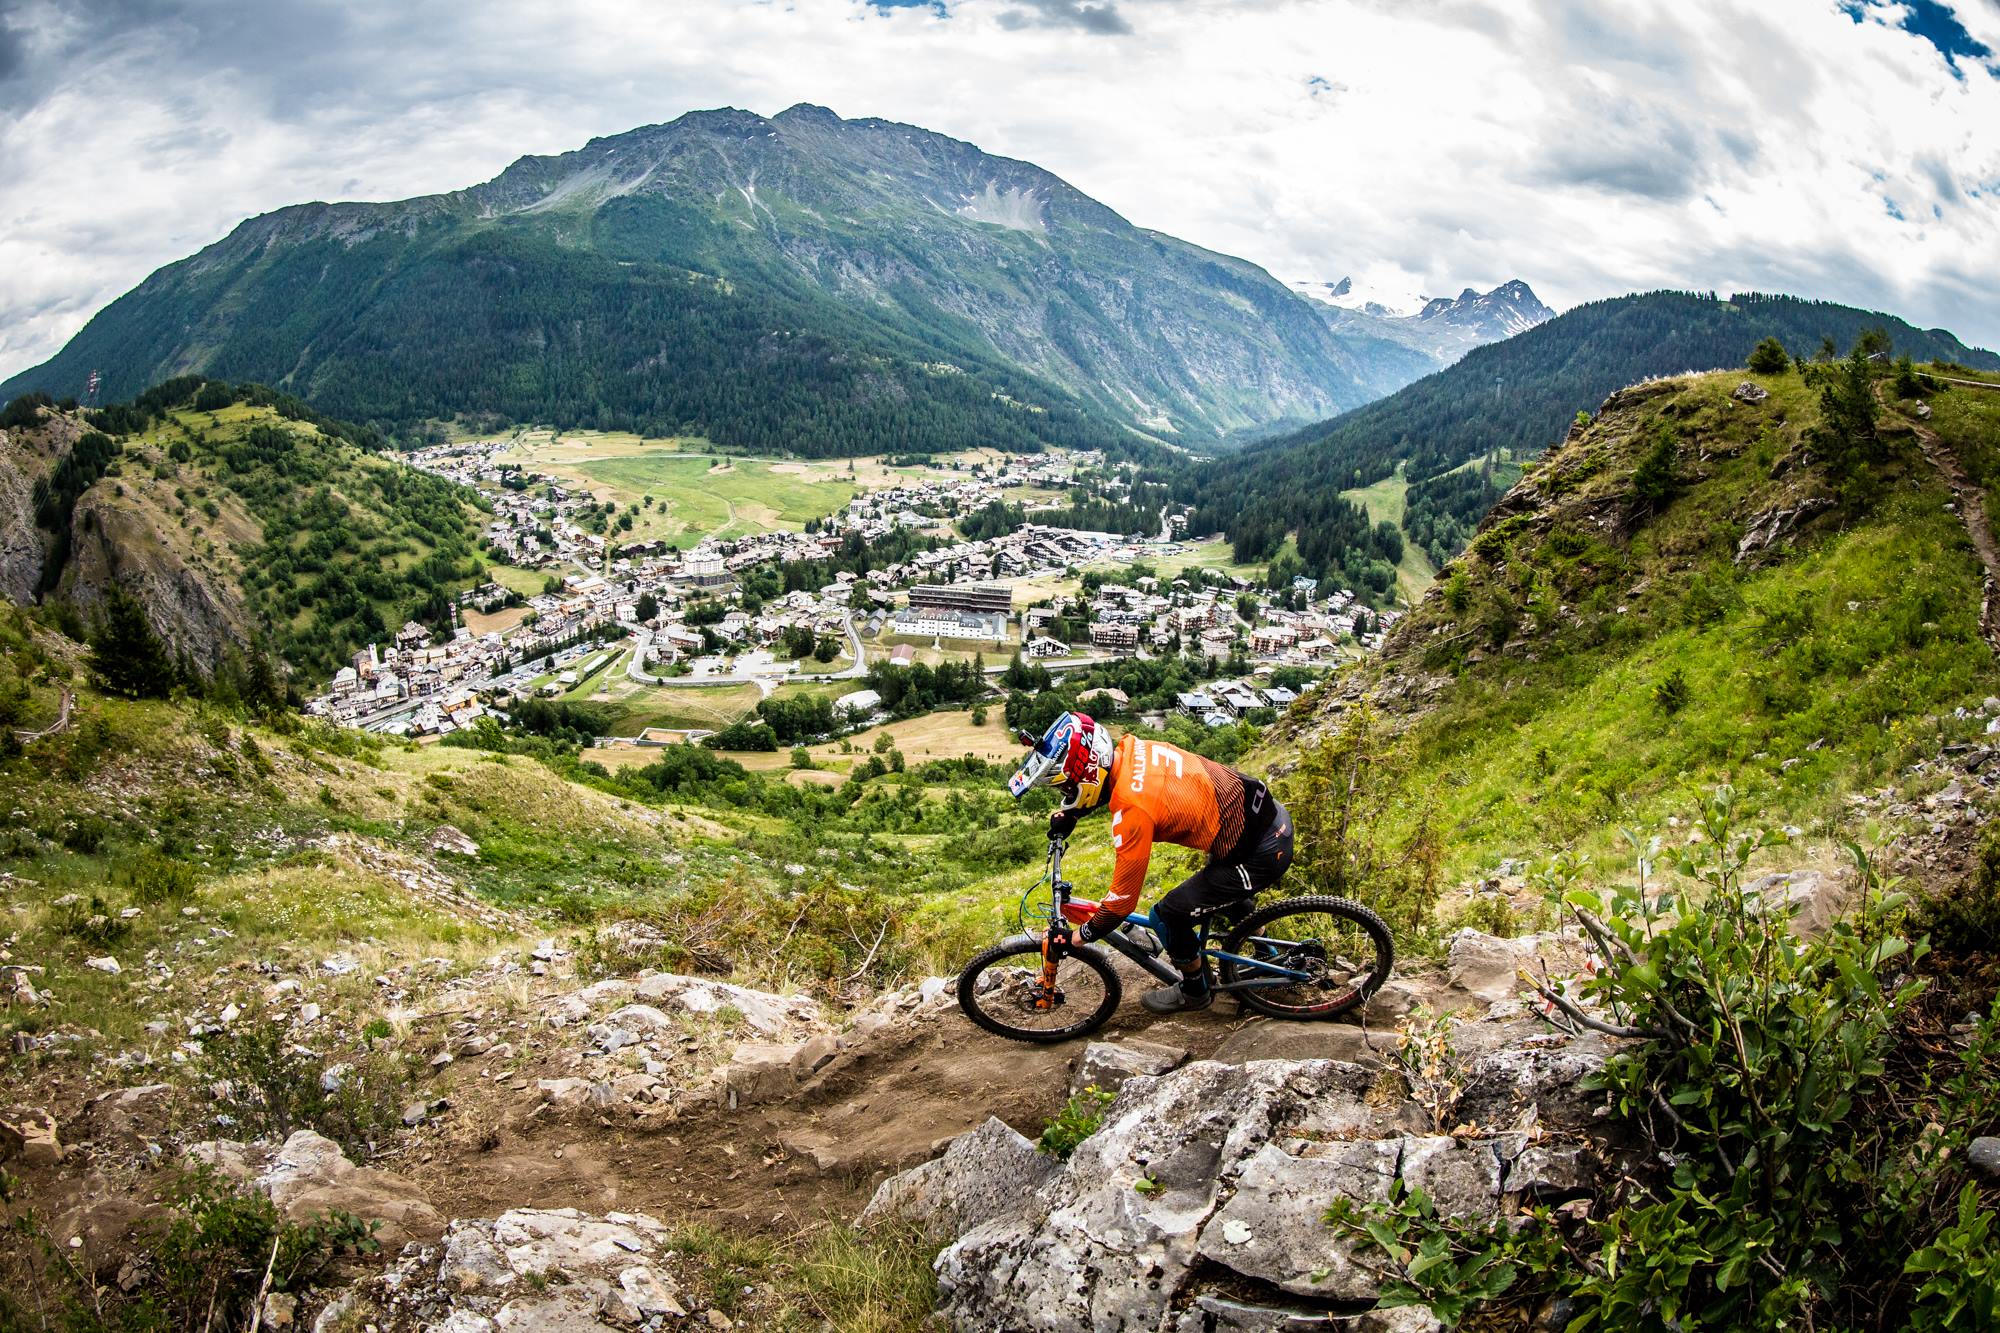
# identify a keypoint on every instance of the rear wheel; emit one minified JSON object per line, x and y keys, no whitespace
{"x":1001,"y":990}
{"x":1343,"y":949}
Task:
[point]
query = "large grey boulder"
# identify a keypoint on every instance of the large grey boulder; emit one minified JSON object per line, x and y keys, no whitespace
{"x":1524,"y":1084}
{"x":1101,"y":1250}
{"x":987,"y":1174}
{"x":310,"y":1175}
{"x":1487,"y":967}
{"x":1271,"y":1228}
{"x":1105,"y":1065}
{"x":1210,"y":1184}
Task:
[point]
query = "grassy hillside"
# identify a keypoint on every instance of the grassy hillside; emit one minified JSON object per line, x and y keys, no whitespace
{"x":1609,"y":645}
{"x":1519,"y":396}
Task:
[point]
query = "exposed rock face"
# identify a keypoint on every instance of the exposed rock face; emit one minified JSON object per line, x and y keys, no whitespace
{"x":28,"y":1136}
{"x":1199,"y":1204}
{"x":448,"y":839}
{"x":1096,"y":1250}
{"x":26,"y":456}
{"x":1106,"y":1065}
{"x":987,"y":1175}
{"x":1775,"y":527}
{"x":529,"y":1268}
{"x":767,"y":1013}
{"x":311,"y":1175}
{"x":193,"y":606}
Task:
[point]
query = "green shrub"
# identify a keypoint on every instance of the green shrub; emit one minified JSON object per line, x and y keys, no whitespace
{"x":1670,"y":693}
{"x":1346,"y":794}
{"x":89,"y":921}
{"x":1656,"y":480}
{"x":158,"y":878}
{"x":1079,"y":1118}
{"x":1809,"y":1143}
{"x":266,"y":1085}
{"x":84,"y":834}
{"x":200,"y":1265}
{"x":1769,"y":357}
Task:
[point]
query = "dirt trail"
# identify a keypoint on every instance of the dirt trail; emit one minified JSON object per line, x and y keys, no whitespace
{"x":1971,"y":500}
{"x":885,"y":1104}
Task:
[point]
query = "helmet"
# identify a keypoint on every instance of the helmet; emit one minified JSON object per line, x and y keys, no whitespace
{"x":1074,"y":753}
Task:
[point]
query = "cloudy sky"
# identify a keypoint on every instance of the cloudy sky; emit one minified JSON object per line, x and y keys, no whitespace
{"x":1849,"y":151}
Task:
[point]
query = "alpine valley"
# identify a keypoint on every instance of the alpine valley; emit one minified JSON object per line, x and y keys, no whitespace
{"x":507,"y":701}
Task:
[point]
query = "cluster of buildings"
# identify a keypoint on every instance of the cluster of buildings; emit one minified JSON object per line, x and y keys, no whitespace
{"x":1226,"y":701}
{"x":1207,"y":620}
{"x":423,"y":684}
{"x":930,"y":503}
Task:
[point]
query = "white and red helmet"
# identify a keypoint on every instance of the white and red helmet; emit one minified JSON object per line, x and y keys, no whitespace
{"x":1074,"y":753}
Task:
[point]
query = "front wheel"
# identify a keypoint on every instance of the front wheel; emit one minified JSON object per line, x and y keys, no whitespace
{"x":1342,"y":950}
{"x":1001,"y":990}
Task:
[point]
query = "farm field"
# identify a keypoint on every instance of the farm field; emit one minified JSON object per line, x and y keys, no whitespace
{"x":527,"y":582}
{"x":932,"y":736}
{"x":497,"y":623}
{"x":1384,"y":502}
{"x":698,"y":492}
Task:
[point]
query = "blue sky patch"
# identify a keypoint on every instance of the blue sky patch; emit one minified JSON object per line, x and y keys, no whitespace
{"x":1936,"y":24}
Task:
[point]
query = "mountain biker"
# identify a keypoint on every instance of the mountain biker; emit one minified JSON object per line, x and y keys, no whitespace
{"x":1160,"y":792}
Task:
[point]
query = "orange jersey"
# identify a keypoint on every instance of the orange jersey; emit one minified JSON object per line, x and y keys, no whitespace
{"x":1162,"y":793}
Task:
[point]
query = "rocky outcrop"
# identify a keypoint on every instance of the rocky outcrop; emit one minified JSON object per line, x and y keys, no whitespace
{"x":311,"y":1176}
{"x":529,"y":1268}
{"x":1114,"y":1238}
{"x":767,"y":1013}
{"x":26,"y":456}
{"x":28,"y":1137}
{"x":1200,"y":1202}
{"x":1106,"y":1065}
{"x":986,"y":1176}
{"x":128,"y":540}
{"x":1775,"y":527}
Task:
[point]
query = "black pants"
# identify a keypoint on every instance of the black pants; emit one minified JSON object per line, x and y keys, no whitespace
{"x":1221,"y":885}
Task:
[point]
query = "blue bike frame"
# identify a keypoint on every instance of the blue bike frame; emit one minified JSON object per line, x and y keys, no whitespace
{"x":1154,"y":961}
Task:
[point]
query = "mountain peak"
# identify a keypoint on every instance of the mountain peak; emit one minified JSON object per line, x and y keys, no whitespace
{"x":808,"y":112}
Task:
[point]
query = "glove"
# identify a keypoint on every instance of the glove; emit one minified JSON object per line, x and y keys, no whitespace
{"x":1099,"y":925}
{"x":1059,"y":940}
{"x":1062,"y":823}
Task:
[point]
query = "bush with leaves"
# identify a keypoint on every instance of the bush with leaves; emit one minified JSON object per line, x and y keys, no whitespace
{"x":1809,"y":1162}
{"x":1342,"y":796}
{"x":269,"y":1086}
{"x":1080,"y":1117}
{"x":203,"y":1264}
{"x":1671,"y":693}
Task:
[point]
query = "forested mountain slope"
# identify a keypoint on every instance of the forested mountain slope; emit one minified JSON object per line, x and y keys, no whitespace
{"x":800,"y":283}
{"x":232,"y":516}
{"x":1517,"y":396}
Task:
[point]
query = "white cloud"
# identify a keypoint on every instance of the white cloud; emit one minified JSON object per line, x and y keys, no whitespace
{"x":1592,"y":149}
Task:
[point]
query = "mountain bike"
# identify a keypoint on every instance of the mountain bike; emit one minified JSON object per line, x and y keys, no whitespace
{"x":1298,"y":958}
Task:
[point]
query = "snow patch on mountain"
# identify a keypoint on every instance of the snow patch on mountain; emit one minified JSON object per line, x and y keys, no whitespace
{"x":1013,"y":208}
{"x":1390,"y":294}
